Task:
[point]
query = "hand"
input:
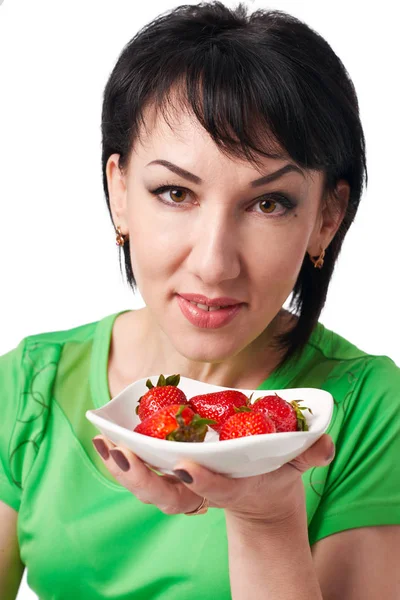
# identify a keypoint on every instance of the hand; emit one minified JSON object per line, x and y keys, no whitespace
{"x":270,"y":498}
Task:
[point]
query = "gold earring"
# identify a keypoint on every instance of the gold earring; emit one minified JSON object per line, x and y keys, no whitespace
{"x":318,"y":263}
{"x":120,"y":237}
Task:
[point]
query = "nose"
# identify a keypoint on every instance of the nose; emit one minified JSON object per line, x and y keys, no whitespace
{"x":215,"y":249}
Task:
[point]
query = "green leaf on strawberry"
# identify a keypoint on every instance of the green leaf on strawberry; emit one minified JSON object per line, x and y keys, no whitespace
{"x":242,"y":409}
{"x":194,"y":432}
{"x":301,"y":420}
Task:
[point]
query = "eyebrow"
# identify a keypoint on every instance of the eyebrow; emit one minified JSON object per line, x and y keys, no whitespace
{"x":290,"y":167}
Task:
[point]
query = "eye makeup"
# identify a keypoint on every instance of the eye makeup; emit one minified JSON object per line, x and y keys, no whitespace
{"x":287,"y":202}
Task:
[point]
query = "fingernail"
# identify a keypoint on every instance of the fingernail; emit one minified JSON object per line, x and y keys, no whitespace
{"x":101,"y":447}
{"x":183,"y":475}
{"x":332,"y":454}
{"x":120,"y":459}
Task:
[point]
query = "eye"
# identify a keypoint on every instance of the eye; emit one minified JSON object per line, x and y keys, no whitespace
{"x":176,"y":196}
{"x":176,"y":193}
{"x":269,"y":205}
{"x":267,"y":209}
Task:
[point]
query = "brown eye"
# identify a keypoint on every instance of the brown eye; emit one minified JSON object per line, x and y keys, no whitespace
{"x":268,"y":208}
{"x":180,"y":194}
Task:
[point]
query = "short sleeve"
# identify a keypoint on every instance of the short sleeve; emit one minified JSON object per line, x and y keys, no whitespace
{"x":10,"y":392}
{"x":363,"y":485}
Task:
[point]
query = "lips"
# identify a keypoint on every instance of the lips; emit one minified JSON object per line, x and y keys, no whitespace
{"x":208,"y":319}
{"x":220,"y":301}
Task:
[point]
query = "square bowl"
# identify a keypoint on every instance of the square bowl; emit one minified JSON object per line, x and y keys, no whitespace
{"x":241,"y":457}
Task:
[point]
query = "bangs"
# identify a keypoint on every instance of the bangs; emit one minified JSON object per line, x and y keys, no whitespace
{"x":249,"y":111}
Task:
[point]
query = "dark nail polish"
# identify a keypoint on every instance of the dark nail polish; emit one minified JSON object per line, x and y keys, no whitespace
{"x":120,"y":459}
{"x":184,"y":475}
{"x":101,"y":448}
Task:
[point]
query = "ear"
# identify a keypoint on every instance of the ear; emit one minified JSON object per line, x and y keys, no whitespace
{"x":331,"y":213}
{"x":117,"y":191}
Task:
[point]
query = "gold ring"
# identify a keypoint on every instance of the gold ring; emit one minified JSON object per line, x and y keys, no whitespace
{"x":201,"y":510}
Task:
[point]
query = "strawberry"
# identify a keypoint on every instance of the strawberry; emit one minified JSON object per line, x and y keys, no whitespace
{"x":163,"y":394}
{"x":176,"y":422}
{"x":287,"y":416}
{"x":246,"y":422}
{"x":218,"y":406}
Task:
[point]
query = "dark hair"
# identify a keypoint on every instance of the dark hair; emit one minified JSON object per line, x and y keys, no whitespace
{"x":258,"y":84}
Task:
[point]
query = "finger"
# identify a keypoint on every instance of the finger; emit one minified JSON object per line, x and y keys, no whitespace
{"x":172,"y":478}
{"x":109,"y":442}
{"x":103,"y":446}
{"x":129,"y":470}
{"x":218,"y":489}
{"x":320,"y":454}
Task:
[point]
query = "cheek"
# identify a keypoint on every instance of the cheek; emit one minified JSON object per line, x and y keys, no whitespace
{"x":154,"y":249}
{"x":282,"y":251}
{"x":275,"y":281}
{"x":275,"y":268}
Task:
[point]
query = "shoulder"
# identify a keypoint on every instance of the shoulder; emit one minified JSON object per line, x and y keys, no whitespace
{"x":350,"y":363}
{"x":335,"y":346}
{"x":38,"y":352}
{"x":365,"y":387}
{"x":77,"y":333}
{"x":29,"y":374}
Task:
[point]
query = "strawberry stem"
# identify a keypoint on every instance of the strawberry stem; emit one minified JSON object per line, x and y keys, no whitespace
{"x":173,"y":380}
{"x":301,"y":420}
{"x":195,"y":431}
{"x":242,"y":409}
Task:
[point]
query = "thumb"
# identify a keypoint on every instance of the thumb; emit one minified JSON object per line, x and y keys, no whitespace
{"x":320,"y":454}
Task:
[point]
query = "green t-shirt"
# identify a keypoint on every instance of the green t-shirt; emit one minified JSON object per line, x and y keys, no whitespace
{"x":84,"y":536}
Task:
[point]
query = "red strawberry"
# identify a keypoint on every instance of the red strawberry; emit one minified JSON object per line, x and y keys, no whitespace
{"x":246,"y":422}
{"x":163,"y":394}
{"x":287,"y":416}
{"x":218,"y":405}
{"x":176,"y":422}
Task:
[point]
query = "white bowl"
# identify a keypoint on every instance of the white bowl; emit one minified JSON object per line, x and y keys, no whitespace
{"x":241,"y":457}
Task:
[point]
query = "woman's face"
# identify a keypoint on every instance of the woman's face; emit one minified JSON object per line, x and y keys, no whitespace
{"x":219,"y":235}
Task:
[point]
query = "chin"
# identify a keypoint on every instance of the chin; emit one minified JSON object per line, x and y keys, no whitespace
{"x":222,"y":347}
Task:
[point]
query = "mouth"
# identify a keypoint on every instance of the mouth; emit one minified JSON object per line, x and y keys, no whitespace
{"x":209,"y":308}
{"x":203,"y":316}
{"x":210,"y":304}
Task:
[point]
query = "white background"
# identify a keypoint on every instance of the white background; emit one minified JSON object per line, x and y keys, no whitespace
{"x":59,"y":261}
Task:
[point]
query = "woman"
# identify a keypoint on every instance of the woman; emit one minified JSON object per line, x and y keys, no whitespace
{"x":233,"y":166}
